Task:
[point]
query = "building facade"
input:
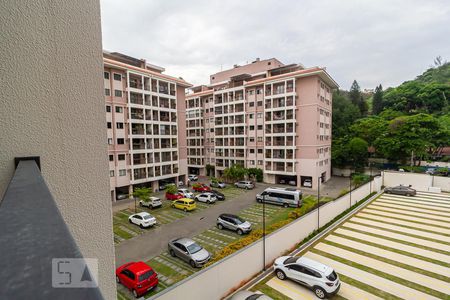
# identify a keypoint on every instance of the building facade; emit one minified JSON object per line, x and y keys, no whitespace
{"x":145,"y":117}
{"x":263,"y":115}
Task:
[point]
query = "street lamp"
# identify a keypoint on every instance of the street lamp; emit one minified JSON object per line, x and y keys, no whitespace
{"x":350,"y":177}
{"x":318,"y":203}
{"x":370,"y":182}
{"x":264,"y":232}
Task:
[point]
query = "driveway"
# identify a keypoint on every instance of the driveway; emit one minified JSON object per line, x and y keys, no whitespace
{"x":147,"y":245}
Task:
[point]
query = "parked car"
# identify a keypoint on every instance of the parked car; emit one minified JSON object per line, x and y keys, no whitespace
{"x":186,"y":193}
{"x":248,"y":295}
{"x":200,"y":187}
{"x":282,"y":181}
{"x":122,"y":196}
{"x":180,"y":183}
{"x":189,"y":251}
{"x":142,"y":219}
{"x":184,"y":204}
{"x":137,"y":277}
{"x":233,"y":222}
{"x":321,"y":278}
{"x":292,"y":182}
{"x":307,"y":183}
{"x":153,"y":202}
{"x":193,"y":177}
{"x":217,"y":184}
{"x":281,"y":196}
{"x":164,"y":183}
{"x":400,"y":190}
{"x":176,"y":196}
{"x":218,"y":195}
{"x":248,"y":185}
{"x":206,"y":197}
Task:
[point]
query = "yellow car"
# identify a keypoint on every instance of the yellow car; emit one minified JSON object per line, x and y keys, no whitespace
{"x":184,"y":204}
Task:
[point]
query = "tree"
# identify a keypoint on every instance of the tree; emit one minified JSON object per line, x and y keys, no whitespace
{"x":235,"y":172}
{"x":369,"y":129}
{"x":344,"y":114}
{"x":256,"y":173}
{"x":358,"y":152}
{"x":377,"y":105}
{"x":209,"y":170}
{"x":142,"y":193}
{"x":355,"y":93}
{"x":172,"y":189}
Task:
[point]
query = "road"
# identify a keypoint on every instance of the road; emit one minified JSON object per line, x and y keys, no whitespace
{"x":147,"y":245}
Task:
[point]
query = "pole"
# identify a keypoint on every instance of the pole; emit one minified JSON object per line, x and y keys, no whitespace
{"x":350,"y":177}
{"x":318,"y":204}
{"x":264,"y":232}
{"x":370,"y":182}
{"x":135,"y":207}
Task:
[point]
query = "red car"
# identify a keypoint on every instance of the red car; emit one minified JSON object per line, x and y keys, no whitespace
{"x":201,"y":188}
{"x":176,"y":196}
{"x":137,"y":277}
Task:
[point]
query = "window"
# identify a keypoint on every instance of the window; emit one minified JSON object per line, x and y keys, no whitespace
{"x":111,"y":173}
{"x":119,"y":109}
{"x":122,"y":172}
{"x":111,"y":157}
{"x":259,"y":91}
{"x":120,"y":141}
{"x":106,"y":75}
{"x":117,"y":77}
{"x":108,"y":125}
{"x":260,"y":162}
{"x":109,"y":141}
{"x":260,"y":151}
{"x":118,"y":93}
{"x":121,"y":156}
{"x":251,"y":140}
{"x":107,"y":92}
{"x":251,"y":116}
{"x":108,"y":108}
{"x":259,"y":103}
{"x":252,"y":127}
{"x":260,"y":127}
{"x":119,"y":125}
{"x":252,"y":150}
{"x":259,"y":115}
{"x":259,"y":138}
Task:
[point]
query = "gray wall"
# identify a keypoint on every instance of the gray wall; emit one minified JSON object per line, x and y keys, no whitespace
{"x":52,"y":105}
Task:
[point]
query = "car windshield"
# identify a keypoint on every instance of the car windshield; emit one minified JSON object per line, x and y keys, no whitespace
{"x":146,"y":217}
{"x":239,"y":220}
{"x":146,"y":275}
{"x":194,"y":248}
{"x":253,"y":297}
{"x":332,"y":276}
{"x":290,"y":260}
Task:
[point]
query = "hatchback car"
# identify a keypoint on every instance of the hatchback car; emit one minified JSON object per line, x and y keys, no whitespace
{"x":189,"y":251}
{"x":186,"y":193}
{"x":233,"y":222}
{"x":193,"y":177}
{"x":142,"y":219}
{"x":153,"y":202}
{"x":400,"y":190}
{"x":200,"y":187}
{"x":217,"y":184}
{"x":137,"y":277}
{"x":321,"y":278}
{"x":218,"y":195}
{"x":184,"y":204}
{"x":249,"y":295}
{"x":176,"y":196}
{"x":307,"y":183}
{"x":248,"y":185}
{"x":206,"y":197}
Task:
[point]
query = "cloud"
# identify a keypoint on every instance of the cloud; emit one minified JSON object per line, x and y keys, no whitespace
{"x":374,"y":42}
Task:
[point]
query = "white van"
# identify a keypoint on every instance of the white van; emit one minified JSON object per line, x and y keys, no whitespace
{"x":281,"y":196}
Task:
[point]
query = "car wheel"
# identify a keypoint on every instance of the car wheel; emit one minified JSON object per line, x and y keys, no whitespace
{"x":172,"y":253}
{"x":140,"y":225}
{"x":320,"y":292}
{"x":185,"y":209}
{"x":280,"y":274}
{"x":140,"y":204}
{"x":135,"y":294}
{"x":285,"y":205}
{"x":207,"y":201}
{"x":129,"y":220}
{"x":192,"y":263}
{"x":239,"y":231}
{"x":220,"y":226}
{"x":117,"y":279}
{"x":246,"y":187}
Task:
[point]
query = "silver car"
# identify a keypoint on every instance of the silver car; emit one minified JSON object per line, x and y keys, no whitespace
{"x":189,"y":251}
{"x":206,"y":197}
{"x":248,"y":185}
{"x":233,"y":222}
{"x":248,"y":295}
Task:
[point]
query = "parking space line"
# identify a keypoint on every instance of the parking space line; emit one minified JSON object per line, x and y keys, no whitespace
{"x":349,"y":291}
{"x":290,"y":289}
{"x":406,"y":218}
{"x":415,"y":262}
{"x":370,"y":279}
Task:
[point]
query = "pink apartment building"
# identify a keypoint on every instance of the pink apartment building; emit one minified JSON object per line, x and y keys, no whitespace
{"x":263,"y":115}
{"x":145,"y":117}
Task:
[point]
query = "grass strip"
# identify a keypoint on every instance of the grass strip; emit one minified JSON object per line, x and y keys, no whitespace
{"x":405,"y":212}
{"x":368,"y":288}
{"x":406,"y":220}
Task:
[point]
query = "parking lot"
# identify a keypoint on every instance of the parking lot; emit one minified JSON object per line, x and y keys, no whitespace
{"x":397,"y":247}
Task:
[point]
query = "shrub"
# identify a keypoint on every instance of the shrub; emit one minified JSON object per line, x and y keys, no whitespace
{"x":171,"y":189}
{"x":196,"y":185}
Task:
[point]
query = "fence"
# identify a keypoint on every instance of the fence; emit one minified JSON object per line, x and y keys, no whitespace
{"x":219,"y":279}
{"x":419,"y":181}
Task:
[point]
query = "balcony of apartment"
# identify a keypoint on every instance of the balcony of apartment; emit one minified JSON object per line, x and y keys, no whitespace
{"x":279,"y":166}
{"x":279,"y":128}
{"x":137,"y":128}
{"x":219,"y":153}
{"x":172,"y":89}
{"x":173,"y":117}
{"x":148,"y":129}
{"x":150,"y":158}
{"x":278,"y":154}
{"x":268,"y":104}
{"x":156,"y":144}
{"x":174,"y":130}
{"x":239,"y":108}
{"x":166,"y":156}
{"x":147,"y":100}
{"x":289,"y":154}
{"x":165,"y":143}
{"x":163,"y":88}
{"x":148,"y":115}
{"x":157,"y":156}
{"x":290,"y":167}
{"x":155,"y":101}
{"x":164,"y":129}
{"x":137,"y":114}
{"x":164,"y":102}
{"x":218,"y":99}
{"x":268,"y":166}
{"x":218,"y":110}
{"x":290,"y":128}
{"x":279,"y":88}
{"x":146,"y":83}
{"x":279,"y":141}
{"x":290,"y":101}
{"x":149,"y":143}
{"x":174,"y":155}
{"x":278,"y":116}
{"x":175,"y":168}
{"x":289,"y":141}
{"x":289,"y":114}
{"x":150,"y":172}
{"x":154,"y":85}
{"x":279,"y":102}
{"x":239,"y":153}
{"x":157,"y":171}
{"x":268,"y":129}
{"x":139,"y":159}
{"x":164,"y":116}
{"x":240,"y":142}
{"x":290,"y":86}
{"x":138,"y":144}
{"x":173,"y":104}
{"x":219,"y":163}
{"x":136,"y":98}
{"x":140,"y":173}
{"x":135,"y":82}
{"x":268,"y":91}
{"x":239,"y":130}
{"x":239,"y":119}
{"x":219,"y":132}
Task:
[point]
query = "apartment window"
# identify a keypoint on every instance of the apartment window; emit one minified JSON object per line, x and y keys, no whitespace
{"x":122,"y":172}
{"x":252,"y":151}
{"x":108,"y":108}
{"x":252,"y":127}
{"x":251,"y":104}
{"x":260,"y":151}
{"x":251,"y":140}
{"x":108,"y":125}
{"x":120,"y":141}
{"x":109,"y":141}
{"x":259,"y":103}
{"x":121,"y":156}
{"x":251,"y":116}
{"x":107,"y":92}
{"x":119,"y":125}
{"x":119,"y":109}
{"x":259,"y":138}
{"x":111,"y":173}
{"x":259,"y":115}
{"x":117,"y":77}
{"x":106,"y":75}
{"x":259,"y":91}
{"x":260,"y":127}
{"x":111,"y":157}
{"x":211,"y":109}
{"x":252,"y":162}
{"x":260,"y":162}
{"x":118,"y":93}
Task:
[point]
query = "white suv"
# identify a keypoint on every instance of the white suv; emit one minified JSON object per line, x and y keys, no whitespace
{"x":322,"y":279}
{"x":206,"y":197}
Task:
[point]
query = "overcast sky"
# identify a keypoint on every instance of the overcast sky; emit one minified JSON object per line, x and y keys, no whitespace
{"x":374,"y":42}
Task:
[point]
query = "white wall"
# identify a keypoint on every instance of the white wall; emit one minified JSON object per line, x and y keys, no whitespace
{"x":418,"y":181}
{"x":243,"y":265}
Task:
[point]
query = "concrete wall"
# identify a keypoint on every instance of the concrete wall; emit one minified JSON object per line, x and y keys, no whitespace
{"x":52,"y":106}
{"x":241,"y":266}
{"x":418,"y":181}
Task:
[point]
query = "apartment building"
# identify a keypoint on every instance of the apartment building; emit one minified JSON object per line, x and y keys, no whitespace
{"x":146,"y":119}
{"x":263,"y":115}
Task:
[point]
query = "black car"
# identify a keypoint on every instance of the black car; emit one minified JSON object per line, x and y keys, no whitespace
{"x":400,"y":190}
{"x":218,"y":195}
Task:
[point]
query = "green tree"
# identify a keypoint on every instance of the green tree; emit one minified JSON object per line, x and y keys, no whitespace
{"x":209,"y":170}
{"x":142,"y":193}
{"x":171,"y":189}
{"x":377,"y":105}
{"x":355,"y":93}
{"x":344,"y":114}
{"x":369,"y":129}
{"x":358,"y":152}
{"x":235,"y":172}
{"x":256,"y":173}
